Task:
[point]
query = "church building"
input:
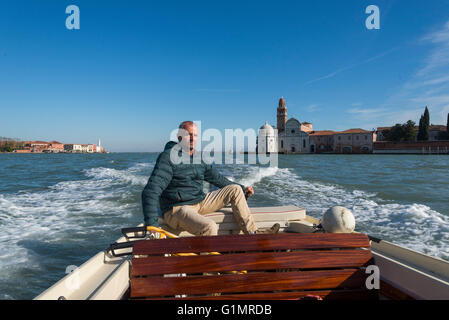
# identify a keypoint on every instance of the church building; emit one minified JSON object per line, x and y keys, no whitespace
{"x":292,"y":135}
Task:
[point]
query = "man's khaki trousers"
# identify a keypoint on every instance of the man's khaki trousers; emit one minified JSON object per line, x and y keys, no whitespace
{"x":191,"y":218}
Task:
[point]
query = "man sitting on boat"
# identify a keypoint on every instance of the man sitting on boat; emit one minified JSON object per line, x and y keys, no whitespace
{"x":178,"y":189}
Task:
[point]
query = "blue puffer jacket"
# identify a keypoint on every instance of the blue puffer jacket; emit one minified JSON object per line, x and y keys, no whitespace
{"x":176,"y":184}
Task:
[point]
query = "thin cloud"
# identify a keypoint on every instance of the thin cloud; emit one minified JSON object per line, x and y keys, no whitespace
{"x":365,"y":111}
{"x":312,"y":107}
{"x":333,"y":74}
{"x":429,"y":86}
{"x":217,"y":90}
{"x":436,"y":81}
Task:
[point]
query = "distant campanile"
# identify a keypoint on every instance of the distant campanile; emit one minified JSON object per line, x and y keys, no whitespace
{"x":281,"y":115}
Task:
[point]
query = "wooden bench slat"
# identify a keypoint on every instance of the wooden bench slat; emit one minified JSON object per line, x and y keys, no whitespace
{"x":251,"y":282}
{"x":259,"y":242}
{"x":157,"y":265}
{"x":353,"y":294}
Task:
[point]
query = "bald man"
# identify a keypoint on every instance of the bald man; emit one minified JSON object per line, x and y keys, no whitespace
{"x":178,"y":190}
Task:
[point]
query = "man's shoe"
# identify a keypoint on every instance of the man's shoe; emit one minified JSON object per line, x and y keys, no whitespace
{"x":272,"y":230}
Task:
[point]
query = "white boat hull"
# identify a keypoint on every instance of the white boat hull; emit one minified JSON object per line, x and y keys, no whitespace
{"x":404,"y":273}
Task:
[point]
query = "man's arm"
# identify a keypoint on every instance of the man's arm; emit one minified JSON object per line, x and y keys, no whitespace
{"x":217,"y":179}
{"x":159,"y":180}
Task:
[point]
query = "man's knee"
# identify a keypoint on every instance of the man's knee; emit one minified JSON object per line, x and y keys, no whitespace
{"x":210,"y":229}
{"x":235,"y":189}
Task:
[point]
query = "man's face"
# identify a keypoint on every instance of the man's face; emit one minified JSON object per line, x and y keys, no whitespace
{"x":188,"y":137}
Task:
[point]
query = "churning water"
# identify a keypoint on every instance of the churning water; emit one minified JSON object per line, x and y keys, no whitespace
{"x":58,"y":210}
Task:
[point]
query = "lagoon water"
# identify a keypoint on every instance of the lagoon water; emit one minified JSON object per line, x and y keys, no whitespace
{"x":58,"y":210}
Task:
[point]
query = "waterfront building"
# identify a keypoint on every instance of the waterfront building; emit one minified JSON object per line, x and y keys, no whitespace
{"x":281,"y":115}
{"x":77,"y":148}
{"x":68,"y":147}
{"x":415,"y":147}
{"x":56,"y":146}
{"x":306,"y":127}
{"x":84,"y":148}
{"x":293,"y":139}
{"x":354,"y":141}
{"x":90,"y":148}
{"x":267,"y":139}
{"x":322,"y":141}
{"x":290,"y":136}
{"x":36,"y":146}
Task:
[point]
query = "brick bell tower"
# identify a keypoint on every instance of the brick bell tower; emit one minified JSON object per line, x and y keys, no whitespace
{"x":281,"y":115}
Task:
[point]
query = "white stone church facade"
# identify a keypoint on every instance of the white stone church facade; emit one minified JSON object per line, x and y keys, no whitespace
{"x":290,"y":137}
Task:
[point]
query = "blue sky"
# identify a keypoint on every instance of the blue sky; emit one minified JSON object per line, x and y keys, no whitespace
{"x":135,"y":69}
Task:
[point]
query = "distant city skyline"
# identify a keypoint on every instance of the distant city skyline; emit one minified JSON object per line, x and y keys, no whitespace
{"x":132,"y":73}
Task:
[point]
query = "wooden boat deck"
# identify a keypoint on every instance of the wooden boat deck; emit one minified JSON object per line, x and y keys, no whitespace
{"x":276,"y":266}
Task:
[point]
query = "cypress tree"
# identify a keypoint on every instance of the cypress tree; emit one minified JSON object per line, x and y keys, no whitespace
{"x":426,"y":124}
{"x":447,"y":126}
{"x":420,"y":129}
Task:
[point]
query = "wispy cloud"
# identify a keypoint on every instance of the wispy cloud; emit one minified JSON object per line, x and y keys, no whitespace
{"x":365,"y":111}
{"x":436,"y":81}
{"x":217,"y":90}
{"x":313,"y":107}
{"x":333,"y":74}
{"x":429,"y":86}
{"x":439,"y":57}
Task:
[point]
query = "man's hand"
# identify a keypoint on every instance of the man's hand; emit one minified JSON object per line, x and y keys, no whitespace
{"x":249,"y":191}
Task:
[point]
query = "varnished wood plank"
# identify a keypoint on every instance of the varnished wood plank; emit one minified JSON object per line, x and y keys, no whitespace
{"x":357,"y":294}
{"x":260,"y":242}
{"x":156,"y":265}
{"x":251,"y":282}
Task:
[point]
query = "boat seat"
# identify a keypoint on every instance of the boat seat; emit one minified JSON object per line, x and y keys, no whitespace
{"x":263,"y":217}
{"x":276,"y":266}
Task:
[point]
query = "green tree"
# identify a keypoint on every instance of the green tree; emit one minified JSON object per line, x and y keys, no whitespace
{"x":420,"y":129}
{"x":447,"y":125}
{"x":409,"y":131}
{"x":396,"y":133}
{"x":6,"y":147}
{"x":424,"y":124}
{"x":9,"y":145}
{"x":401,"y":132}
